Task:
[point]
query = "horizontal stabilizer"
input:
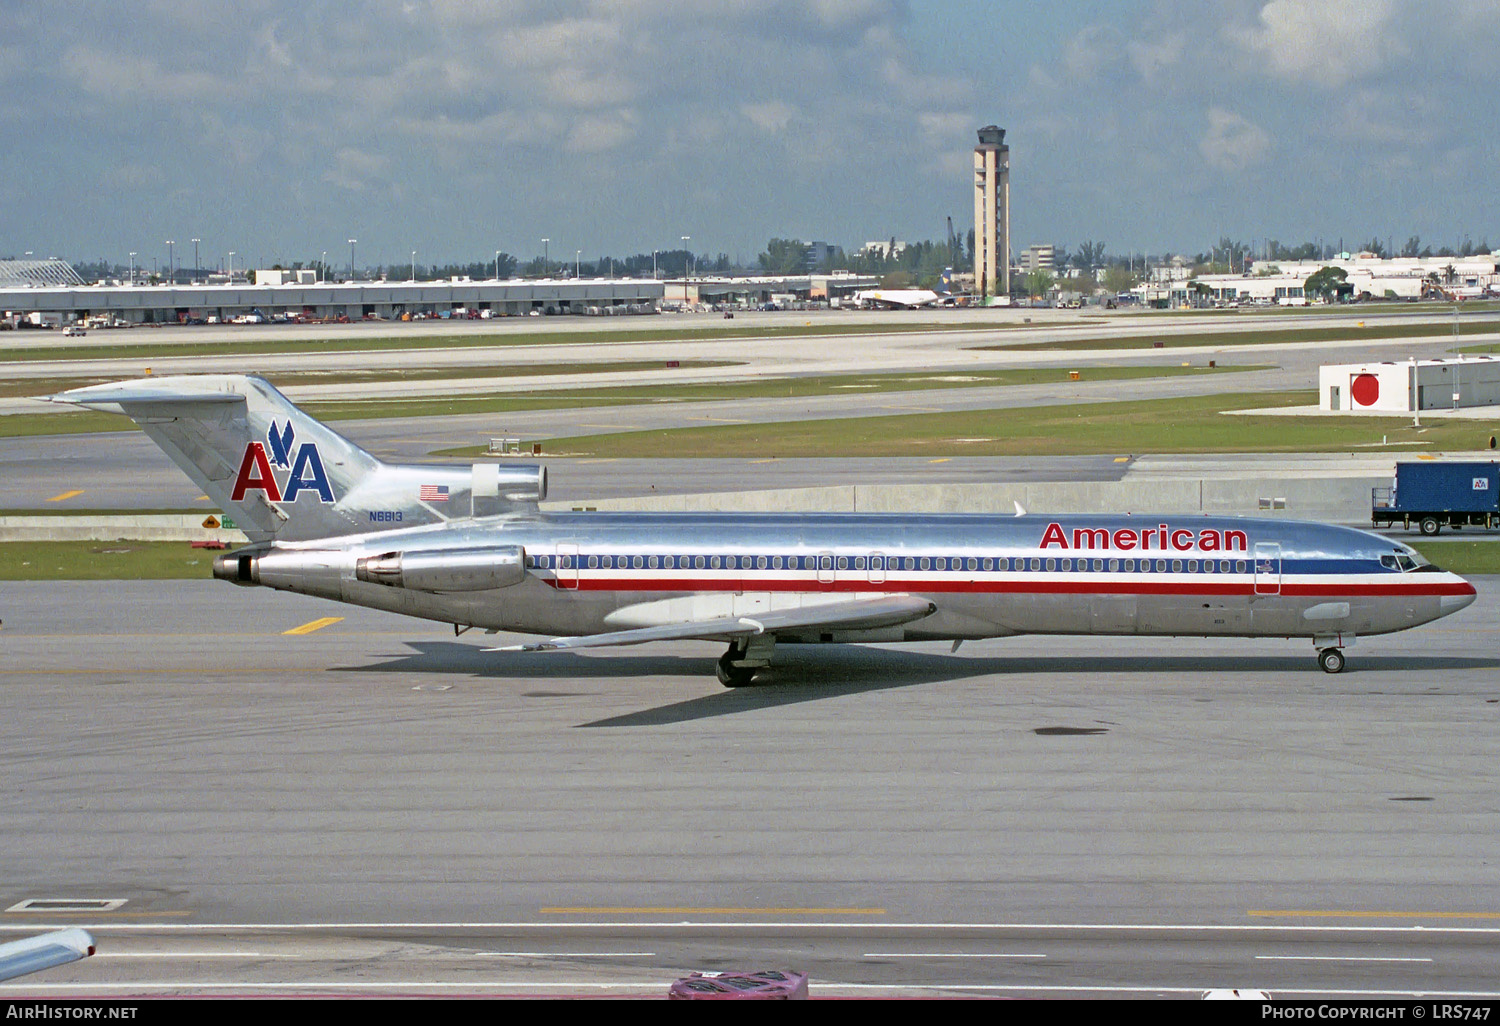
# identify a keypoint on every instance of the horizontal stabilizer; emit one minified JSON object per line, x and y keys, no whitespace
{"x":34,"y":954}
{"x":113,"y":398}
{"x":854,"y":614}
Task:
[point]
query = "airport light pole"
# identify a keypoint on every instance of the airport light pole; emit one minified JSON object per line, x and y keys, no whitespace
{"x":545,"y":243}
{"x":653,"y":264}
{"x":323,"y":266}
{"x":132,"y":267}
{"x":231,"y":267}
{"x":195,"y":260}
{"x":171,"y":266}
{"x":685,"y":274}
{"x":413,"y":265}
{"x":577,"y":264}
{"x":351,"y":258}
{"x":497,"y":265}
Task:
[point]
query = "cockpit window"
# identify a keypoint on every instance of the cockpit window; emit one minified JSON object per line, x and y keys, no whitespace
{"x":1406,"y":561}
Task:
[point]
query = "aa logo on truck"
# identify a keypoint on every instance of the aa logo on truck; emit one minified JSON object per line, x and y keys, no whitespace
{"x":303,"y":465}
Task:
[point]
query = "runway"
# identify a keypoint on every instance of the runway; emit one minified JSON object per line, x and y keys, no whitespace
{"x":374,"y":806}
{"x":124,"y":471}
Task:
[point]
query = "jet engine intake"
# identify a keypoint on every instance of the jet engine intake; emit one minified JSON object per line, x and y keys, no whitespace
{"x":486,"y":569}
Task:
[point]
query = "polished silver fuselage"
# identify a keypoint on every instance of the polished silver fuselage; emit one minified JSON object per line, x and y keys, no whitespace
{"x":986,"y":576}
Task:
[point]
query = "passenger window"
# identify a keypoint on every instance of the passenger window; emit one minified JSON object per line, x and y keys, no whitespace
{"x":1239,"y":566}
{"x":1036,"y":564}
{"x":698,"y":562}
{"x":1114,"y":565}
{"x":1098,"y":564}
{"x":1129,"y":566}
{"x":1065,"y":565}
{"x":1161,"y":566}
{"x":989,"y":564}
{"x":1223,"y":566}
{"x":1177,"y":566}
{"x":1192,"y":566}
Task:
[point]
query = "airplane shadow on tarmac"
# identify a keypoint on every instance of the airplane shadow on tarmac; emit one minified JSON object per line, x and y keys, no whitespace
{"x":811,"y":673}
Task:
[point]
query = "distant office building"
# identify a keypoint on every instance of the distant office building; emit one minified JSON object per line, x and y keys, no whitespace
{"x":818,"y":255}
{"x":1039,"y":258}
{"x":992,"y":212}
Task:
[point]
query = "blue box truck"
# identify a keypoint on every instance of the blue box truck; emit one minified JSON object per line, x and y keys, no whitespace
{"x":1434,"y":495}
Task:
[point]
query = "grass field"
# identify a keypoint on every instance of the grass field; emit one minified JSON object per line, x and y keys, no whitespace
{"x":22,"y":387}
{"x":116,"y":561}
{"x":1256,"y":336}
{"x":338,"y":343}
{"x":1194,"y":424}
{"x":103,"y":561}
{"x":754,"y":388}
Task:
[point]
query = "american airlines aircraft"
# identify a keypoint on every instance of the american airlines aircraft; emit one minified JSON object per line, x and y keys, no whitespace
{"x":469,"y":546}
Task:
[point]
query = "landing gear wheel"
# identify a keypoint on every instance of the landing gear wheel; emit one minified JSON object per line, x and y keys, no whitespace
{"x":1331,"y":660}
{"x":1429,"y":525}
{"x":730,"y":675}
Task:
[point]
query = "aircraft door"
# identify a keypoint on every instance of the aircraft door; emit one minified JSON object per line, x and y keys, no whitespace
{"x":1267,"y":568}
{"x":566,"y":570}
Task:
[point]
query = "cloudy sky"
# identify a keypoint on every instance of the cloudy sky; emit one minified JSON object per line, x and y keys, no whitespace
{"x":280,"y":129}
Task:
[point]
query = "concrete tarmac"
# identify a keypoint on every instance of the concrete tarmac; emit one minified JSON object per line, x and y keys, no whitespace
{"x":375,"y":806}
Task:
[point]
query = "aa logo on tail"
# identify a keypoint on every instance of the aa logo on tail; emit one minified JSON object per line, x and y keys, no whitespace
{"x":305,"y":465}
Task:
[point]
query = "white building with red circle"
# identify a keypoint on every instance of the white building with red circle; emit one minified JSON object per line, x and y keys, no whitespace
{"x":1408,"y":386}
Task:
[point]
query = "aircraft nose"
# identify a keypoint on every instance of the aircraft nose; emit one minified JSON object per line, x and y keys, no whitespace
{"x":1462,"y":598}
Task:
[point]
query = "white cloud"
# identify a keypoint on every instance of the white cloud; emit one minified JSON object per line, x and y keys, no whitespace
{"x":1233,"y":143}
{"x":1324,"y":42}
{"x":771,"y":116}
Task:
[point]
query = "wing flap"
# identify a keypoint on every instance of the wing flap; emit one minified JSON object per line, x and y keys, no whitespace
{"x":854,"y":614}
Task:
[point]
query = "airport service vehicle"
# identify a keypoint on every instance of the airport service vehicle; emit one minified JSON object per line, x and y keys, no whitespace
{"x":1435,"y":495}
{"x":767,"y":985}
{"x":471,"y":547}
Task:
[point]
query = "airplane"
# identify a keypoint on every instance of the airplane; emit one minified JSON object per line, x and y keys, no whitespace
{"x":905,"y":299}
{"x":470,"y":546}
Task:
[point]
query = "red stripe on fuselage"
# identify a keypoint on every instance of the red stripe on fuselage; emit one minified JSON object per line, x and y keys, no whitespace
{"x":1015,"y":587}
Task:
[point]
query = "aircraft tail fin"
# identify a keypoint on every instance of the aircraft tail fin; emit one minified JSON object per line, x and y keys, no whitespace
{"x":278,"y":472}
{"x":283,"y":476}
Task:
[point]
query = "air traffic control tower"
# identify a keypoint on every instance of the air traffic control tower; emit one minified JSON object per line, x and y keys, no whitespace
{"x":992,"y":213}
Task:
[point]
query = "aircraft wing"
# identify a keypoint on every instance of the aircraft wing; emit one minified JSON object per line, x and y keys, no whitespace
{"x":854,"y":614}
{"x":33,"y":954}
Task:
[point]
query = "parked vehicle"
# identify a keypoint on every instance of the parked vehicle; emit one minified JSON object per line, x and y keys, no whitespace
{"x":1434,"y":495}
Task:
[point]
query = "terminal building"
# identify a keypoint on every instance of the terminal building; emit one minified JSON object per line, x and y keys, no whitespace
{"x":355,"y":300}
{"x":50,"y":294}
{"x":1410,"y":386}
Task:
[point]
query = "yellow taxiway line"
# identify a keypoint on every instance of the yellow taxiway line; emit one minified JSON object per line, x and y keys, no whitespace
{"x":315,"y":625}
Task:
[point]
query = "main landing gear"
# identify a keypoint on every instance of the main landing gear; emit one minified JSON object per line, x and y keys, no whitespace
{"x":746,"y":657}
{"x":1331,"y":660}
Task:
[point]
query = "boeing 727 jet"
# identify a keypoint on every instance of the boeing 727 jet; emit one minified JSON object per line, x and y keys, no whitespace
{"x":470,"y":546}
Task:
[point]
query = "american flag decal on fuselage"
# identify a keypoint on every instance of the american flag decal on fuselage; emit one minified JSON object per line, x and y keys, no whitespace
{"x":433,"y":493}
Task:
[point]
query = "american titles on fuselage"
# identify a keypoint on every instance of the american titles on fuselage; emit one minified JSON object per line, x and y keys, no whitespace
{"x":1161,"y":537}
